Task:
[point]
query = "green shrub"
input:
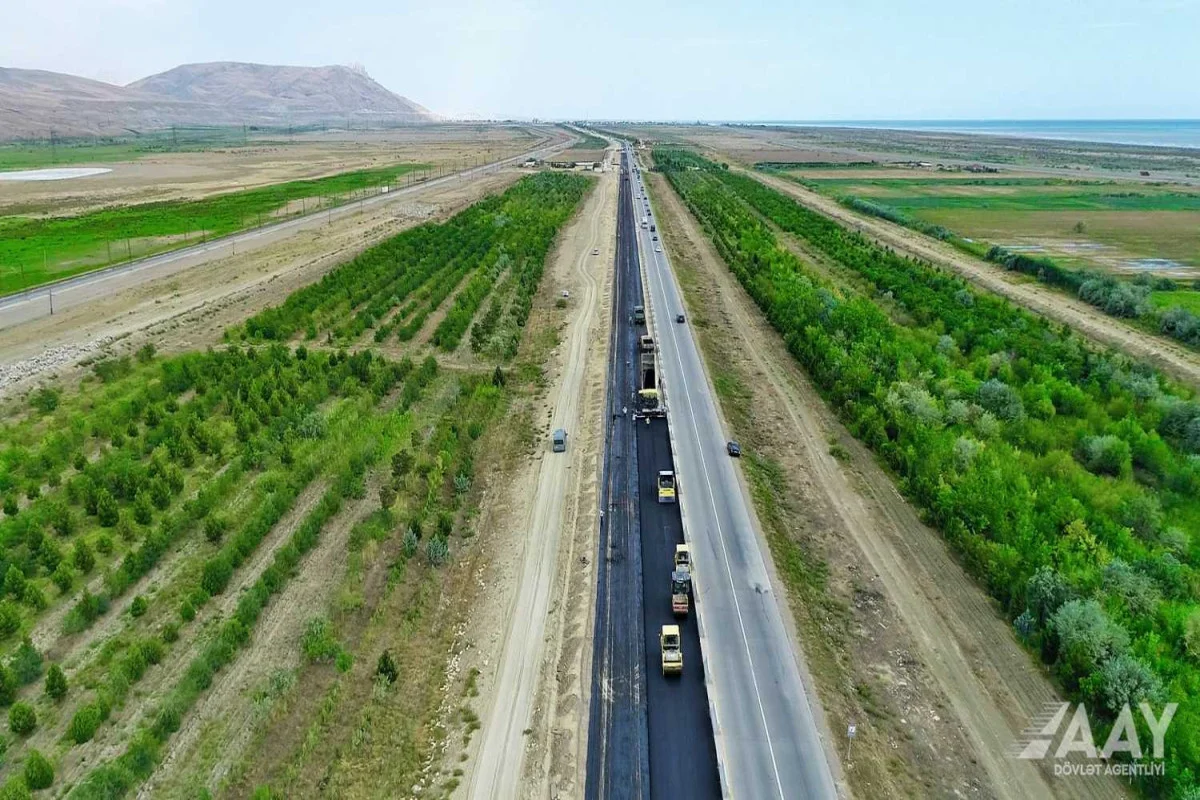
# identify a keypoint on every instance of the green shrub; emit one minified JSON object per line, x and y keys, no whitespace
{"x":8,"y":686}
{"x":34,"y":597}
{"x":85,"y":723}
{"x":216,"y":575}
{"x":38,"y":772}
{"x":170,"y":632}
{"x":318,"y":643}
{"x":15,"y":789}
{"x":22,"y":720}
{"x":437,"y":550}
{"x":215,"y":527}
{"x":56,"y":683}
{"x":63,"y":577}
{"x":139,"y":606}
{"x":10,"y":619}
{"x":107,"y":510}
{"x":45,"y":400}
{"x":82,"y":557}
{"x":14,"y":582}
{"x":187,"y":611}
{"x":10,"y":505}
{"x":26,"y":663}
{"x":387,"y":667}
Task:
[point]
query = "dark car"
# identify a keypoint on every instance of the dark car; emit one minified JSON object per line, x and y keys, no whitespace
{"x":734,"y":449}
{"x":679,"y":317}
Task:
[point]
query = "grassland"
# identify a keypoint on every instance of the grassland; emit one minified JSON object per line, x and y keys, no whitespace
{"x":36,"y":250}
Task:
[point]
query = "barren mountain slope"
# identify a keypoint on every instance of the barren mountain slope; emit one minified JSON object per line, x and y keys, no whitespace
{"x":255,"y":89}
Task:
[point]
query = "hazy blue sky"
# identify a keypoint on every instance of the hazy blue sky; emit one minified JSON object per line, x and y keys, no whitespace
{"x":836,"y":59}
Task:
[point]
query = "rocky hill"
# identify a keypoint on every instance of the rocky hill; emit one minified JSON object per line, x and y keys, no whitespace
{"x":35,"y":102}
{"x":302,"y":92}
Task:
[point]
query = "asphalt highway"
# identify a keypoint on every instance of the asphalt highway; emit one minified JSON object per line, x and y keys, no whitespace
{"x":767,"y":737}
{"x":649,"y":735}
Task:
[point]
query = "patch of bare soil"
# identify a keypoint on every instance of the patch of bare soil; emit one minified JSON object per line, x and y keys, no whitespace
{"x":1087,"y":320}
{"x":529,"y":649}
{"x":192,"y":309}
{"x":900,"y":640}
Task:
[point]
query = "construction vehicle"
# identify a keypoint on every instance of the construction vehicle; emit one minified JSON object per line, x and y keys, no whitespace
{"x":672,"y":655}
{"x":648,"y":400}
{"x":681,"y":590}
{"x":683,"y":558}
{"x":666,"y":486}
{"x":639,"y":315}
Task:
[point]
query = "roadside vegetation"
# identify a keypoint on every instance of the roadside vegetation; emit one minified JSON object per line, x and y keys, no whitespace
{"x":151,"y":515}
{"x":36,"y":250}
{"x":1068,"y":480}
{"x":961,"y":212}
{"x":392,"y":288}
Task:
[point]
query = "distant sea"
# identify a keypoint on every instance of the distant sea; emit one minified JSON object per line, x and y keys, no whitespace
{"x":1156,"y":132}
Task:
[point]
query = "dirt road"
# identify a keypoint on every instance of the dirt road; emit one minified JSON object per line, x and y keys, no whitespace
{"x":533,"y":637}
{"x":1090,"y":322}
{"x":932,"y":641}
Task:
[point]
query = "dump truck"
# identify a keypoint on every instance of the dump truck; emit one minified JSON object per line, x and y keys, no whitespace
{"x":666,"y":486}
{"x":681,"y":590}
{"x":672,"y":655}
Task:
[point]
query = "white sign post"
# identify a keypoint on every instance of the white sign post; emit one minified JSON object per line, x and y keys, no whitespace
{"x":851,"y":731}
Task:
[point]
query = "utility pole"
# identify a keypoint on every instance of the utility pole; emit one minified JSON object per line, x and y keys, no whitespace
{"x":52,"y":299}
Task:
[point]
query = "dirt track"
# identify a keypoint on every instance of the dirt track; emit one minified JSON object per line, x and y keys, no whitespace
{"x":1091,"y":322}
{"x":530,"y":645}
{"x":907,"y":591}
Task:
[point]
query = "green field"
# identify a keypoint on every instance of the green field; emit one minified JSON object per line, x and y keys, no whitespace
{"x":34,"y":251}
{"x":1093,"y":224}
{"x":1183,"y":299}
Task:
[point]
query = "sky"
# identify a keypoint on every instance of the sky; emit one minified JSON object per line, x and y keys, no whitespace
{"x":666,"y":60}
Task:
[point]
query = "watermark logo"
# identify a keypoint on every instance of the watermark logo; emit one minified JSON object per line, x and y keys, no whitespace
{"x":1075,"y":752}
